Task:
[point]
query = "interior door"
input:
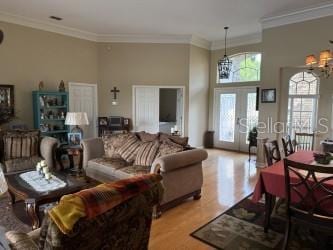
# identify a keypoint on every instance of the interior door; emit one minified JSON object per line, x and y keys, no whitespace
{"x":83,"y":98}
{"x":146,"y":109}
{"x":235,"y":115}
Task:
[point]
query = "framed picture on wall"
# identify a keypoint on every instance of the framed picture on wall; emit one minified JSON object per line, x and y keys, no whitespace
{"x":102,"y":121}
{"x":268,"y":95}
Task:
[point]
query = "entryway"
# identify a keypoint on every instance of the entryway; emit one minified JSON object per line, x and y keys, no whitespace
{"x":158,"y":108}
{"x":83,"y":98}
{"x":235,"y":115}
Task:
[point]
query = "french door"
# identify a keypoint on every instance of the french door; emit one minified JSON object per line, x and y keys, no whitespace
{"x":234,"y":116}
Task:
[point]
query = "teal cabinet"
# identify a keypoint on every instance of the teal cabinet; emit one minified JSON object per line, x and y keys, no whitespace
{"x":50,"y":109}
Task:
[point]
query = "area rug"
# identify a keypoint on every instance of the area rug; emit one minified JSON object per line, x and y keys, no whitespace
{"x":241,"y":227}
{"x":7,"y":218}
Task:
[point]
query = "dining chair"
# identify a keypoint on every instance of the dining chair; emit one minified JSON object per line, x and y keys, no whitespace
{"x":272,"y":152}
{"x":309,"y":195}
{"x":304,"y":141}
{"x":288,"y":146}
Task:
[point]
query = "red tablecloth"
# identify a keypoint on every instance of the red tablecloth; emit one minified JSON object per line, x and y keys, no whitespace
{"x":272,"y":180}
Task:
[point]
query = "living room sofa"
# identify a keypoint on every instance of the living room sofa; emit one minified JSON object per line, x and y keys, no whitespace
{"x":181,"y":171}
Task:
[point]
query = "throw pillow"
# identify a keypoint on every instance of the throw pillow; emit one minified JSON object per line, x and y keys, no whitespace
{"x":129,"y":149}
{"x":183,"y":141}
{"x":168,"y":147}
{"x":147,"y":153}
{"x":147,"y":137}
{"x":21,"y":144}
{"x":112,"y":143}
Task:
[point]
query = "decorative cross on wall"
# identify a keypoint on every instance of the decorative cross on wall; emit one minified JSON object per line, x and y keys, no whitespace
{"x":115,"y":91}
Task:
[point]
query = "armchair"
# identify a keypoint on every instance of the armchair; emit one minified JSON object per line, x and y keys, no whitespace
{"x":125,"y":226}
{"x":22,"y":149}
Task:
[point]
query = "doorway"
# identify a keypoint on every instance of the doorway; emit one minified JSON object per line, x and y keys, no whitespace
{"x":235,"y":115}
{"x":83,"y":98}
{"x":158,"y":108}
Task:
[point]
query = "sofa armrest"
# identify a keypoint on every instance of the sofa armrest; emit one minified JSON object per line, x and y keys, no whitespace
{"x":172,"y":162}
{"x":48,"y":147}
{"x":92,"y":148}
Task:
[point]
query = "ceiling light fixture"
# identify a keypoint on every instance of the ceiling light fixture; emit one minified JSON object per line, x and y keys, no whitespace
{"x":224,"y":64}
{"x":55,"y":18}
{"x":325,"y":63}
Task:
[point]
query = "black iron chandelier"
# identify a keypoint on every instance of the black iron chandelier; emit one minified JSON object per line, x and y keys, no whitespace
{"x":224,"y":64}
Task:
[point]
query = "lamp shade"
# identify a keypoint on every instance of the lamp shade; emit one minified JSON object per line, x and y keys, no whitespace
{"x":3,"y":183}
{"x":325,"y":55}
{"x":310,"y":60}
{"x":76,"y":118}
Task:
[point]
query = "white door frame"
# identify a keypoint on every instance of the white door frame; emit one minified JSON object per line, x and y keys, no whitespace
{"x":215,"y":101}
{"x":159,"y":87}
{"x":94,"y":86}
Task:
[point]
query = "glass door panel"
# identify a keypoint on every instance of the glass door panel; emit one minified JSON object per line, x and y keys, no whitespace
{"x":227,"y":117}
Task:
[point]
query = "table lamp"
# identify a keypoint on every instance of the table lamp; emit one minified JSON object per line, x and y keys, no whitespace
{"x":76,"y":119}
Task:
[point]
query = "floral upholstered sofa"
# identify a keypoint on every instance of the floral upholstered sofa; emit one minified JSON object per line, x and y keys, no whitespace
{"x":121,"y":156}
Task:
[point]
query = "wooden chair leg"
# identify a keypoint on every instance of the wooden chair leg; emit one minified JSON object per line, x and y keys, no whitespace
{"x":287,"y":235}
{"x":269,"y":205}
{"x":197,"y":195}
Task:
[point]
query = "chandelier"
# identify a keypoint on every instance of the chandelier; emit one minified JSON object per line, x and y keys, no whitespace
{"x":325,"y":63}
{"x":224,"y":64}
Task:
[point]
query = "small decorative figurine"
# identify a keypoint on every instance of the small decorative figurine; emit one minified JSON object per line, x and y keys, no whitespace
{"x":41,"y":85}
{"x":62,"y":86}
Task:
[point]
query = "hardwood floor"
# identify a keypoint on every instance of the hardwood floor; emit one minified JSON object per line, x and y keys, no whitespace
{"x":228,"y":177}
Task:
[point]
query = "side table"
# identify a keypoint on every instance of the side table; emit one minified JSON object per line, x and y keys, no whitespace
{"x":71,"y":151}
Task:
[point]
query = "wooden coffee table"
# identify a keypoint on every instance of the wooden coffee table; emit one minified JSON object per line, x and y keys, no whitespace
{"x":19,"y":190}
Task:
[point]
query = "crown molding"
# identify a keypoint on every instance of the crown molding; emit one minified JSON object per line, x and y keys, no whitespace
{"x":124,"y":38}
{"x":237,"y":41}
{"x":47,"y":26}
{"x":301,"y":15}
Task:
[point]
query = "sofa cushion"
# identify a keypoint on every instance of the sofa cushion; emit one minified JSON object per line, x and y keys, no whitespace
{"x":113,"y":142}
{"x":18,"y":240}
{"x":183,"y":141}
{"x":21,"y":144}
{"x":20,"y":164}
{"x":135,"y":170}
{"x":129,"y":149}
{"x":147,"y":153}
{"x":168,"y":147}
{"x":147,"y":137}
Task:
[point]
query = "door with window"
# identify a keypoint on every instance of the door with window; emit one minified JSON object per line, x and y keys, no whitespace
{"x":235,"y":115}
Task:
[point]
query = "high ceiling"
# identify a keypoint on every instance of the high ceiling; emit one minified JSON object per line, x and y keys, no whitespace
{"x":203,"y":18}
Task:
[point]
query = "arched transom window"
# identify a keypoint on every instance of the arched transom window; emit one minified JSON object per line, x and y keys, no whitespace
{"x":302,"y":102}
{"x":245,"y":68}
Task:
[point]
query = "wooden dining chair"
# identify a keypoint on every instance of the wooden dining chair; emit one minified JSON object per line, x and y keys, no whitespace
{"x":304,"y":141}
{"x":288,"y":146}
{"x":309,"y":196}
{"x":272,"y":152}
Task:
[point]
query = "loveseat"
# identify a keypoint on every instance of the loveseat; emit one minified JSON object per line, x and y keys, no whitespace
{"x":169,"y":156}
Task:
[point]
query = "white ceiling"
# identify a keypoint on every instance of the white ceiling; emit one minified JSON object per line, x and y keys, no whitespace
{"x":202,"y":18}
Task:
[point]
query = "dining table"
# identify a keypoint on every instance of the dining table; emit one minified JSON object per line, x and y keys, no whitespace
{"x":272,"y":184}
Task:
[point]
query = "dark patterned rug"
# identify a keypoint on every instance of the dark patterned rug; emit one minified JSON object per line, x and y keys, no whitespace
{"x":7,"y":218}
{"x":241,"y":227}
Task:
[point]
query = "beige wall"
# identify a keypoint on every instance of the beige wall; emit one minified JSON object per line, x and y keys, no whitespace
{"x":198,"y":94}
{"x":127,"y":64}
{"x":28,"y":56}
{"x":287,"y":46}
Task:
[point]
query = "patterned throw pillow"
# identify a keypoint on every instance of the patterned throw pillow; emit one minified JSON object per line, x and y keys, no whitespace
{"x":21,"y":144}
{"x":147,"y":153}
{"x":183,"y":141}
{"x":168,"y":147}
{"x":112,"y":143}
{"x":129,"y":149}
{"x":147,"y":137}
